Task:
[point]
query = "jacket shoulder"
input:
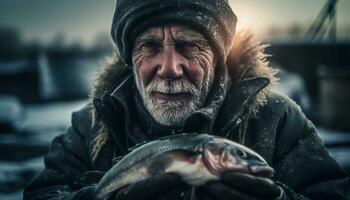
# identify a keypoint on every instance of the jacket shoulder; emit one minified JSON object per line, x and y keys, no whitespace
{"x":285,"y":119}
{"x":95,"y":134}
{"x":284,"y":107}
{"x":282,"y":101}
{"x":82,"y":120}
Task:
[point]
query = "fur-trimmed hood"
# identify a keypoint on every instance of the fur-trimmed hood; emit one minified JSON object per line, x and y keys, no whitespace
{"x":245,"y":61}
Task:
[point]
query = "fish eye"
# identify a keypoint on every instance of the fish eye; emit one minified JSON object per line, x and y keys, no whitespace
{"x":242,"y":154}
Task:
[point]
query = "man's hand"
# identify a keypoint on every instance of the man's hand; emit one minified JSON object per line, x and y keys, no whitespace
{"x":235,"y":185}
{"x":159,"y":187}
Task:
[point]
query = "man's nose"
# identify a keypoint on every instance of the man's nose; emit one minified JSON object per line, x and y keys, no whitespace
{"x":172,"y":64}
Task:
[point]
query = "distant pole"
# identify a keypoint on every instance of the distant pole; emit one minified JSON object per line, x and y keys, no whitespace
{"x":333,"y":28}
{"x":319,"y":27}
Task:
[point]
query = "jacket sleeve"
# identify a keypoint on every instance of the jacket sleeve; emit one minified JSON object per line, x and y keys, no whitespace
{"x":68,"y":173}
{"x":302,"y":162}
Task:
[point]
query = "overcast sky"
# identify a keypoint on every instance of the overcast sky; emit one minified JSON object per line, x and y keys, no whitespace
{"x":83,"y":19}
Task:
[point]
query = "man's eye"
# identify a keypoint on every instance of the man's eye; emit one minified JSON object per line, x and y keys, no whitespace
{"x":150,"y":44}
{"x":150,"y":47}
{"x":188,"y":48}
{"x":187,"y":45}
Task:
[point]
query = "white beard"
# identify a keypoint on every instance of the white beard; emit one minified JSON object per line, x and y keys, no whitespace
{"x":173,"y":113}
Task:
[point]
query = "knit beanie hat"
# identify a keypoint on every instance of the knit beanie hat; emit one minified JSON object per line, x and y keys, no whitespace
{"x":213,"y":18}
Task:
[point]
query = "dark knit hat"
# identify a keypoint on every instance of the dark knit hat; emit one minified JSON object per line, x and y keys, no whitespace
{"x":213,"y":18}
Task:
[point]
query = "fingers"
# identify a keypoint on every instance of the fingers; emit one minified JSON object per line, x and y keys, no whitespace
{"x":203,"y":194}
{"x":251,"y":184}
{"x":150,"y":187}
{"x":221,"y":191}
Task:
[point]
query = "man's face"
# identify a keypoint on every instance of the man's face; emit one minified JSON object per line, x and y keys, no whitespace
{"x":174,"y":71}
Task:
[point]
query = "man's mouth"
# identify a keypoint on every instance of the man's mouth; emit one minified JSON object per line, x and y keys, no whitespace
{"x":181,"y":96}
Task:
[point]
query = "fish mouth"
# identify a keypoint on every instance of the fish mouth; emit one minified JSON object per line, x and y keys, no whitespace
{"x":219,"y":159}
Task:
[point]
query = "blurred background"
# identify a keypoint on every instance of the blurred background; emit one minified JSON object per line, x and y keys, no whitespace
{"x":50,"y":52}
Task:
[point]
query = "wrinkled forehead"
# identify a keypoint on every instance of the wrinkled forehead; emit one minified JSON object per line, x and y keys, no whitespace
{"x":176,"y":31}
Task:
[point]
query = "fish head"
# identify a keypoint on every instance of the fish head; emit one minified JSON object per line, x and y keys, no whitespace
{"x":221,"y":155}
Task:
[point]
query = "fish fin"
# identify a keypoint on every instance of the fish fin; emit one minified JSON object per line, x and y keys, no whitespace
{"x":166,"y":159}
{"x":137,"y":145}
{"x":115,"y":160}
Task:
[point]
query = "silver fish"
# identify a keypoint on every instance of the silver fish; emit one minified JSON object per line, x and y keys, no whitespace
{"x":198,"y":158}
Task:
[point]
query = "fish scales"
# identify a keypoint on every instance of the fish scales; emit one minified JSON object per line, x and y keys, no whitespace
{"x":139,"y":156}
{"x":197,"y":157}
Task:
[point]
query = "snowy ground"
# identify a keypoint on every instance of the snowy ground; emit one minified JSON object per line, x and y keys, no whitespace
{"x":21,"y":152}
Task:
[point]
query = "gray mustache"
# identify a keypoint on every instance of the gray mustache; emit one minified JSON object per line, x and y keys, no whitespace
{"x":172,"y":87}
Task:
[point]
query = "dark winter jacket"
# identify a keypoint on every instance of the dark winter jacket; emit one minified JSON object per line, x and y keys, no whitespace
{"x":250,"y":113}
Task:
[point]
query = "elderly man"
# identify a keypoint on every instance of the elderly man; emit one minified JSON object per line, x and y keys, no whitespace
{"x":180,"y":68}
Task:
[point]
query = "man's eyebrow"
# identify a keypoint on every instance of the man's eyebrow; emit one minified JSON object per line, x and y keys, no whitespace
{"x":146,"y":38}
{"x":185,"y":38}
{"x":196,"y":39}
{"x":181,"y":34}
